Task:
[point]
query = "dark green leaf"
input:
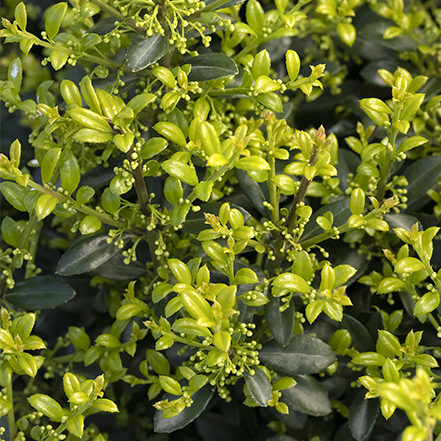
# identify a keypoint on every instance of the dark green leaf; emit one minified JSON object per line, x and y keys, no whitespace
{"x":339,"y":208}
{"x":227,"y":4}
{"x":41,"y":292}
{"x":302,"y":355}
{"x":87,"y":254}
{"x":259,"y":386}
{"x":207,"y":67}
{"x":370,"y":71}
{"x":196,"y":222}
{"x":281,"y":438}
{"x":363,"y":414}
{"x":146,"y":52}
{"x":253,"y":191}
{"x":281,"y":324}
{"x":200,"y":400}
{"x":216,"y":22}
{"x":307,"y":396}
{"x":348,"y":162}
{"x":104,"y":26}
{"x":342,"y":254}
{"x":116,"y":269}
{"x":421,"y":176}
{"x":401,"y":221}
{"x":361,"y":339}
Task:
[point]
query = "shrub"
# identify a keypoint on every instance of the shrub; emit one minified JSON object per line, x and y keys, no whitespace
{"x":253,"y":243}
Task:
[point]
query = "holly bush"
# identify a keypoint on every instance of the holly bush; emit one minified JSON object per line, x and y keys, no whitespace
{"x":221,"y":220}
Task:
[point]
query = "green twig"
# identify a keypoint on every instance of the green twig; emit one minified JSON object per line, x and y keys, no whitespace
{"x":104,"y":218}
{"x":140,"y":188}
{"x":92,"y":58}
{"x":25,"y":242}
{"x":217,"y":4}
{"x":274,"y":196}
{"x":389,"y":159}
{"x":304,"y":184}
{"x":34,"y":225}
{"x":112,"y":11}
{"x":214,"y":177}
{"x":11,"y":415}
{"x":340,"y":230}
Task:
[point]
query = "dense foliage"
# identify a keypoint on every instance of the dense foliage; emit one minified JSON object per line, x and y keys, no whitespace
{"x":221,"y":220}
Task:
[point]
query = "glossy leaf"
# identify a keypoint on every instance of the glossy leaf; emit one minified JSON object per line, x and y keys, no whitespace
{"x":10,"y":232}
{"x":390,"y":284}
{"x":271,"y":101}
{"x":347,"y":33}
{"x":308,"y":396}
{"x":172,"y":132}
{"x":40,"y":292}
{"x":340,"y":210}
{"x":408,"y":265}
{"x":201,"y":398}
{"x":259,"y":386}
{"x":227,"y":4}
{"x":110,"y":201}
{"x":21,"y":15}
{"x":400,"y":220}
{"x":302,"y":355}
{"x":89,"y":225}
{"x":153,"y":147}
{"x":421,"y":176}
{"x":292,"y":282}
{"x":45,"y":205}
{"x":54,"y":19}
{"x":170,"y":385}
{"x":75,"y":425}
{"x":427,"y":303}
{"x":15,"y":73}
{"x":47,"y":406}
{"x":411,"y":143}
{"x":146,"y":52}
{"x":14,"y":194}
{"x":180,"y":171}
{"x":212,"y":66}
{"x":253,"y":191}
{"x":180,"y":271}
{"x":92,"y":135}
{"x":363,"y":414}
{"x":49,"y":163}
{"x":361,"y":339}
{"x":280,"y":323}
{"x":292,"y":64}
{"x":261,"y":64}
{"x":84,"y":194}
{"x":86,"y":254}
{"x":70,"y":174}
{"x":196,"y":222}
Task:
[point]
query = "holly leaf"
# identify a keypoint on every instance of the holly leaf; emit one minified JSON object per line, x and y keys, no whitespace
{"x":308,"y":396}
{"x":146,"y":52}
{"x":87,"y":254}
{"x":362,"y":415}
{"x":259,"y":386}
{"x":208,"y":67}
{"x":40,"y":292}
{"x":303,"y":354}
{"x":201,"y":398}
{"x":281,"y":324}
